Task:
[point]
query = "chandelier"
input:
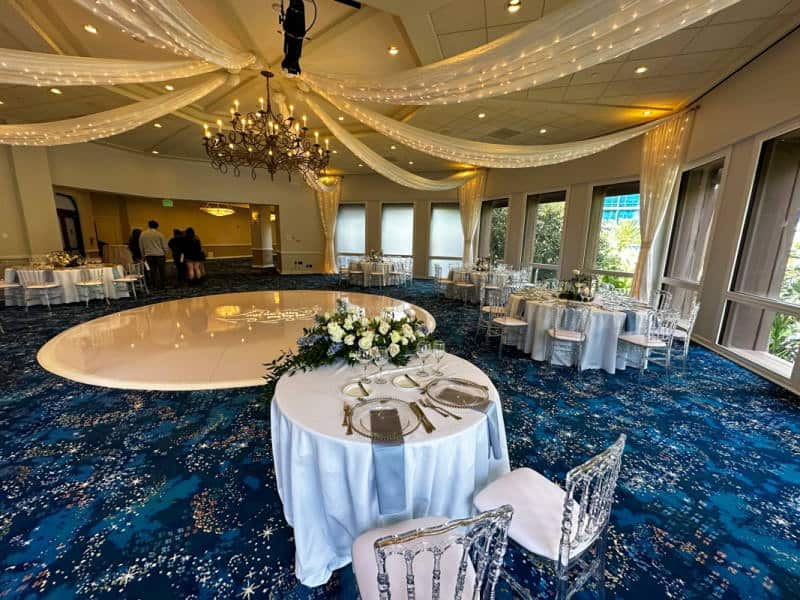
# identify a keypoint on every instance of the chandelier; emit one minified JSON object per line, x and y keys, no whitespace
{"x":265,"y":140}
{"x":216,"y":210}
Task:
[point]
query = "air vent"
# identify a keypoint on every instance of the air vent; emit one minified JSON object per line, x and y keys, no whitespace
{"x":503,"y":133}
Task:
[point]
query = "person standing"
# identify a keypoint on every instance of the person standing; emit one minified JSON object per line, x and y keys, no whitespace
{"x":193,"y":256}
{"x":176,"y":246}
{"x":133,"y":245}
{"x":154,"y":250}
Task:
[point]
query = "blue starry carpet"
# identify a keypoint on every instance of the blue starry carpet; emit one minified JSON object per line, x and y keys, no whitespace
{"x":110,"y":493}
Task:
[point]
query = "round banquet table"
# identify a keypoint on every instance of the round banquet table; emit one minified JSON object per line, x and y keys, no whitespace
{"x":601,"y":348}
{"x":67,"y":278}
{"x":367,"y":267}
{"x":326,"y":479}
{"x":478,"y":278}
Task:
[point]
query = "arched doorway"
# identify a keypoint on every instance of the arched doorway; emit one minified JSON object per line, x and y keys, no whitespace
{"x":70,"y":223}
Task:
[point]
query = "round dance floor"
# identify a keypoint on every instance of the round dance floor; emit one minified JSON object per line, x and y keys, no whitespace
{"x":210,"y":342}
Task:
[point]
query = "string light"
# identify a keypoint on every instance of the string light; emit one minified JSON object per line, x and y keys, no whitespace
{"x":169,"y":87}
{"x":393,"y":50}
{"x":56,"y":91}
{"x":640,"y":70}
{"x":90,"y":29}
{"x":513,"y":6}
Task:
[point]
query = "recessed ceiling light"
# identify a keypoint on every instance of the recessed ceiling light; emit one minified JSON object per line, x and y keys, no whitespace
{"x":56,"y":91}
{"x":360,"y":165}
{"x":647,"y":113}
{"x":157,"y":125}
{"x":513,"y":6}
{"x":392,"y":147}
{"x":640,"y":70}
{"x":411,"y":162}
{"x":393,"y":50}
{"x":543,"y":130}
{"x":169,"y":87}
{"x":335,"y":151}
{"x":1,"y":102}
{"x":90,"y":28}
{"x":341,"y":118}
{"x":154,"y":151}
{"x":481,"y":115}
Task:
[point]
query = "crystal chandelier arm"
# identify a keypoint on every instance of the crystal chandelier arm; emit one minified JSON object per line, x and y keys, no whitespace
{"x":580,"y":35}
{"x":109,"y":122}
{"x":380,"y":164}
{"x":21,"y":67}
{"x":483,"y":154}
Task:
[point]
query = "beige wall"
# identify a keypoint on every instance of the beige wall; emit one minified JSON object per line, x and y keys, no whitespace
{"x":13,"y":237}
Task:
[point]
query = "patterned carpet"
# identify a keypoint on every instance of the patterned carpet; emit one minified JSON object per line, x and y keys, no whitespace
{"x":108,"y":494}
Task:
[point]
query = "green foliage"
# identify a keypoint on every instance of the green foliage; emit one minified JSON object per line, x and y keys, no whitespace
{"x":498,"y":234}
{"x":784,"y":335}
{"x":549,"y":221}
{"x":618,"y":245}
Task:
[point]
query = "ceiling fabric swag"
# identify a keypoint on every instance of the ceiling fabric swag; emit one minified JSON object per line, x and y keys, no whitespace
{"x":483,"y":154}
{"x":379,"y":164}
{"x":662,"y":154}
{"x":168,"y":25}
{"x":109,"y":122}
{"x":20,"y":67}
{"x":580,"y":35}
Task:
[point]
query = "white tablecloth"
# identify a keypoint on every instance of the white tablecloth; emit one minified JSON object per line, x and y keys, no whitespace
{"x":69,"y":293}
{"x":367,"y":267}
{"x":601,"y":349}
{"x":326,"y":479}
{"x":478,"y":278}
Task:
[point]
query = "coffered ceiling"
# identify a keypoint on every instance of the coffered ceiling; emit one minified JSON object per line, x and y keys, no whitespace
{"x":605,"y":98}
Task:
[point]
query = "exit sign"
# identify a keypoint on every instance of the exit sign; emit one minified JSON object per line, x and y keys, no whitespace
{"x":167,"y":203}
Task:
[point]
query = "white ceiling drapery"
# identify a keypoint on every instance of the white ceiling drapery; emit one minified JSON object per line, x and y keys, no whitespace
{"x":21,"y":67}
{"x":483,"y":154}
{"x":579,"y":35}
{"x":109,"y":122}
{"x":380,"y":164}
{"x":167,"y":24}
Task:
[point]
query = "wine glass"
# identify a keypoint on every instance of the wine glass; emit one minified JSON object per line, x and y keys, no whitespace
{"x":423,"y":352}
{"x":364,"y":358}
{"x":381,"y":357}
{"x":438,"y":356}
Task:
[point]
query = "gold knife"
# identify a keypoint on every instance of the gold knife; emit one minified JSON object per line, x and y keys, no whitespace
{"x":412,"y":380}
{"x":429,"y":428}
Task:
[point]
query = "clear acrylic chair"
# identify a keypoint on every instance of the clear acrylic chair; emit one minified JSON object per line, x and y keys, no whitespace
{"x":134,"y":276}
{"x":10,"y":291}
{"x":661,"y":300}
{"x":397,"y":271}
{"x":440,"y":282}
{"x":569,"y":331}
{"x":493,"y":304}
{"x":91,"y":285}
{"x":462,"y":280}
{"x":38,"y":283}
{"x":562,"y":531}
{"x":433,"y":558}
{"x":377,"y":274}
{"x":355,"y":271}
{"x":683,"y":335}
{"x":504,"y":326}
{"x":654,"y":345}
{"x":342,"y":272}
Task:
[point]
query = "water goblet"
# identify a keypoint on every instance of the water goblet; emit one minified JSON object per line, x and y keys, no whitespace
{"x":364,"y":358}
{"x":381,"y":357}
{"x":438,"y":356}
{"x":423,"y":352}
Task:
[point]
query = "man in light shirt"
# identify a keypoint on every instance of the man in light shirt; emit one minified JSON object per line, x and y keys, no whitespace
{"x":154,"y":249}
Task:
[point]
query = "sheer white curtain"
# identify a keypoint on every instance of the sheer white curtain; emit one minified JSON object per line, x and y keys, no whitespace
{"x":328,"y":203}
{"x":380,"y":164}
{"x":168,"y":25}
{"x":20,"y":67}
{"x":483,"y":154}
{"x":662,"y":153}
{"x":109,"y":122}
{"x":581,"y":34}
{"x":470,"y":196}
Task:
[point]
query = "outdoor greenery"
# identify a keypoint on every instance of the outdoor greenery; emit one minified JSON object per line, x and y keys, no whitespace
{"x":498,"y":235}
{"x":549,"y":221}
{"x":618,"y":250}
{"x":784,"y":336}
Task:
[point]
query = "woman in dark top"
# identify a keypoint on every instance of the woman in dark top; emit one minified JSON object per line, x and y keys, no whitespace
{"x":133,"y":245}
{"x":193,"y":255}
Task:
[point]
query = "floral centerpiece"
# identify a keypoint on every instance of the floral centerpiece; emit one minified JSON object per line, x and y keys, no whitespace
{"x":342,"y":334}
{"x":579,"y":287}
{"x":375,"y":256}
{"x":483,"y":264}
{"x":63,"y":259}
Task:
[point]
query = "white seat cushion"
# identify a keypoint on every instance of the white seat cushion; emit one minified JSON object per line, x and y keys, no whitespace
{"x":5,"y":285}
{"x":92,"y":283}
{"x":356,"y":272}
{"x":494,"y":310}
{"x":464,"y":284}
{"x":637,"y":339}
{"x":683,"y":324}
{"x":566,"y":335}
{"x":43,"y":286}
{"x":538,"y":507}
{"x":509,"y":322}
{"x":126,"y":279}
{"x":679,"y":334}
{"x":365,"y":566}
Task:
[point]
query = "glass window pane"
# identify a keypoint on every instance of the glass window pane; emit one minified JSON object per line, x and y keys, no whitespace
{"x":544,"y":222}
{"x":397,"y":229}
{"x":615,"y":223}
{"x":446,"y":235}
{"x":351,"y":227}
{"x":765,"y":336}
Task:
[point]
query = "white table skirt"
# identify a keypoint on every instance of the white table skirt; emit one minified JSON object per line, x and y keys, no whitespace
{"x":601,"y":349}
{"x":478,"y":278}
{"x":326,"y":479}
{"x":367,"y":267}
{"x":67,"y":278}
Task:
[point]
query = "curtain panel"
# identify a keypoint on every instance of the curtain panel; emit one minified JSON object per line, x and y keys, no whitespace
{"x":328,"y":200}
{"x":470,"y":198}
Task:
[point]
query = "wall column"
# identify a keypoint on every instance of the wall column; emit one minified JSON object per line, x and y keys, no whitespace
{"x":515,"y":228}
{"x":36,"y":199}
{"x":261,"y":236}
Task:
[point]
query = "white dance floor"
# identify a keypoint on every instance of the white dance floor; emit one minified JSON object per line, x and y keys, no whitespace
{"x":210,"y":342}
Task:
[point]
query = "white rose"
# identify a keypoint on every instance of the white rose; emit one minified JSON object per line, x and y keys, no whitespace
{"x":403,"y":341}
{"x":383,"y":328}
{"x":348,"y":323}
{"x":394,"y":350}
{"x":350,"y":340}
{"x":407,"y":330}
{"x":576,"y":271}
{"x":364,"y":322}
{"x":412,"y":338}
{"x":327,"y":316}
{"x":336,"y":337}
{"x":395,"y":337}
{"x":365,"y":343}
{"x":411,"y":314}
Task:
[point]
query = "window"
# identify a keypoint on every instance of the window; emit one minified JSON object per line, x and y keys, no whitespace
{"x":614,"y":237}
{"x":446,"y":236}
{"x":698,"y":196}
{"x":351,"y":226}
{"x":762,"y":319}
{"x":397,"y":229}
{"x":544,"y":223}
{"x":492,"y":229}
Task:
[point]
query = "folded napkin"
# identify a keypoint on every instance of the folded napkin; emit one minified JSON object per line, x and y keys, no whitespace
{"x":490,"y":410}
{"x":459,"y":397}
{"x":388,"y":457}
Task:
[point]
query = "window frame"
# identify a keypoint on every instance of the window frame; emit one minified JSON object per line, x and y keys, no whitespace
{"x":336,"y":249}
{"x":432,"y":257}
{"x":537,"y":267}
{"x":413,"y":207}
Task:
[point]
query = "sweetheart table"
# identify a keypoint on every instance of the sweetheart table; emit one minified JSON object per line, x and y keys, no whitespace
{"x":326,"y":479}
